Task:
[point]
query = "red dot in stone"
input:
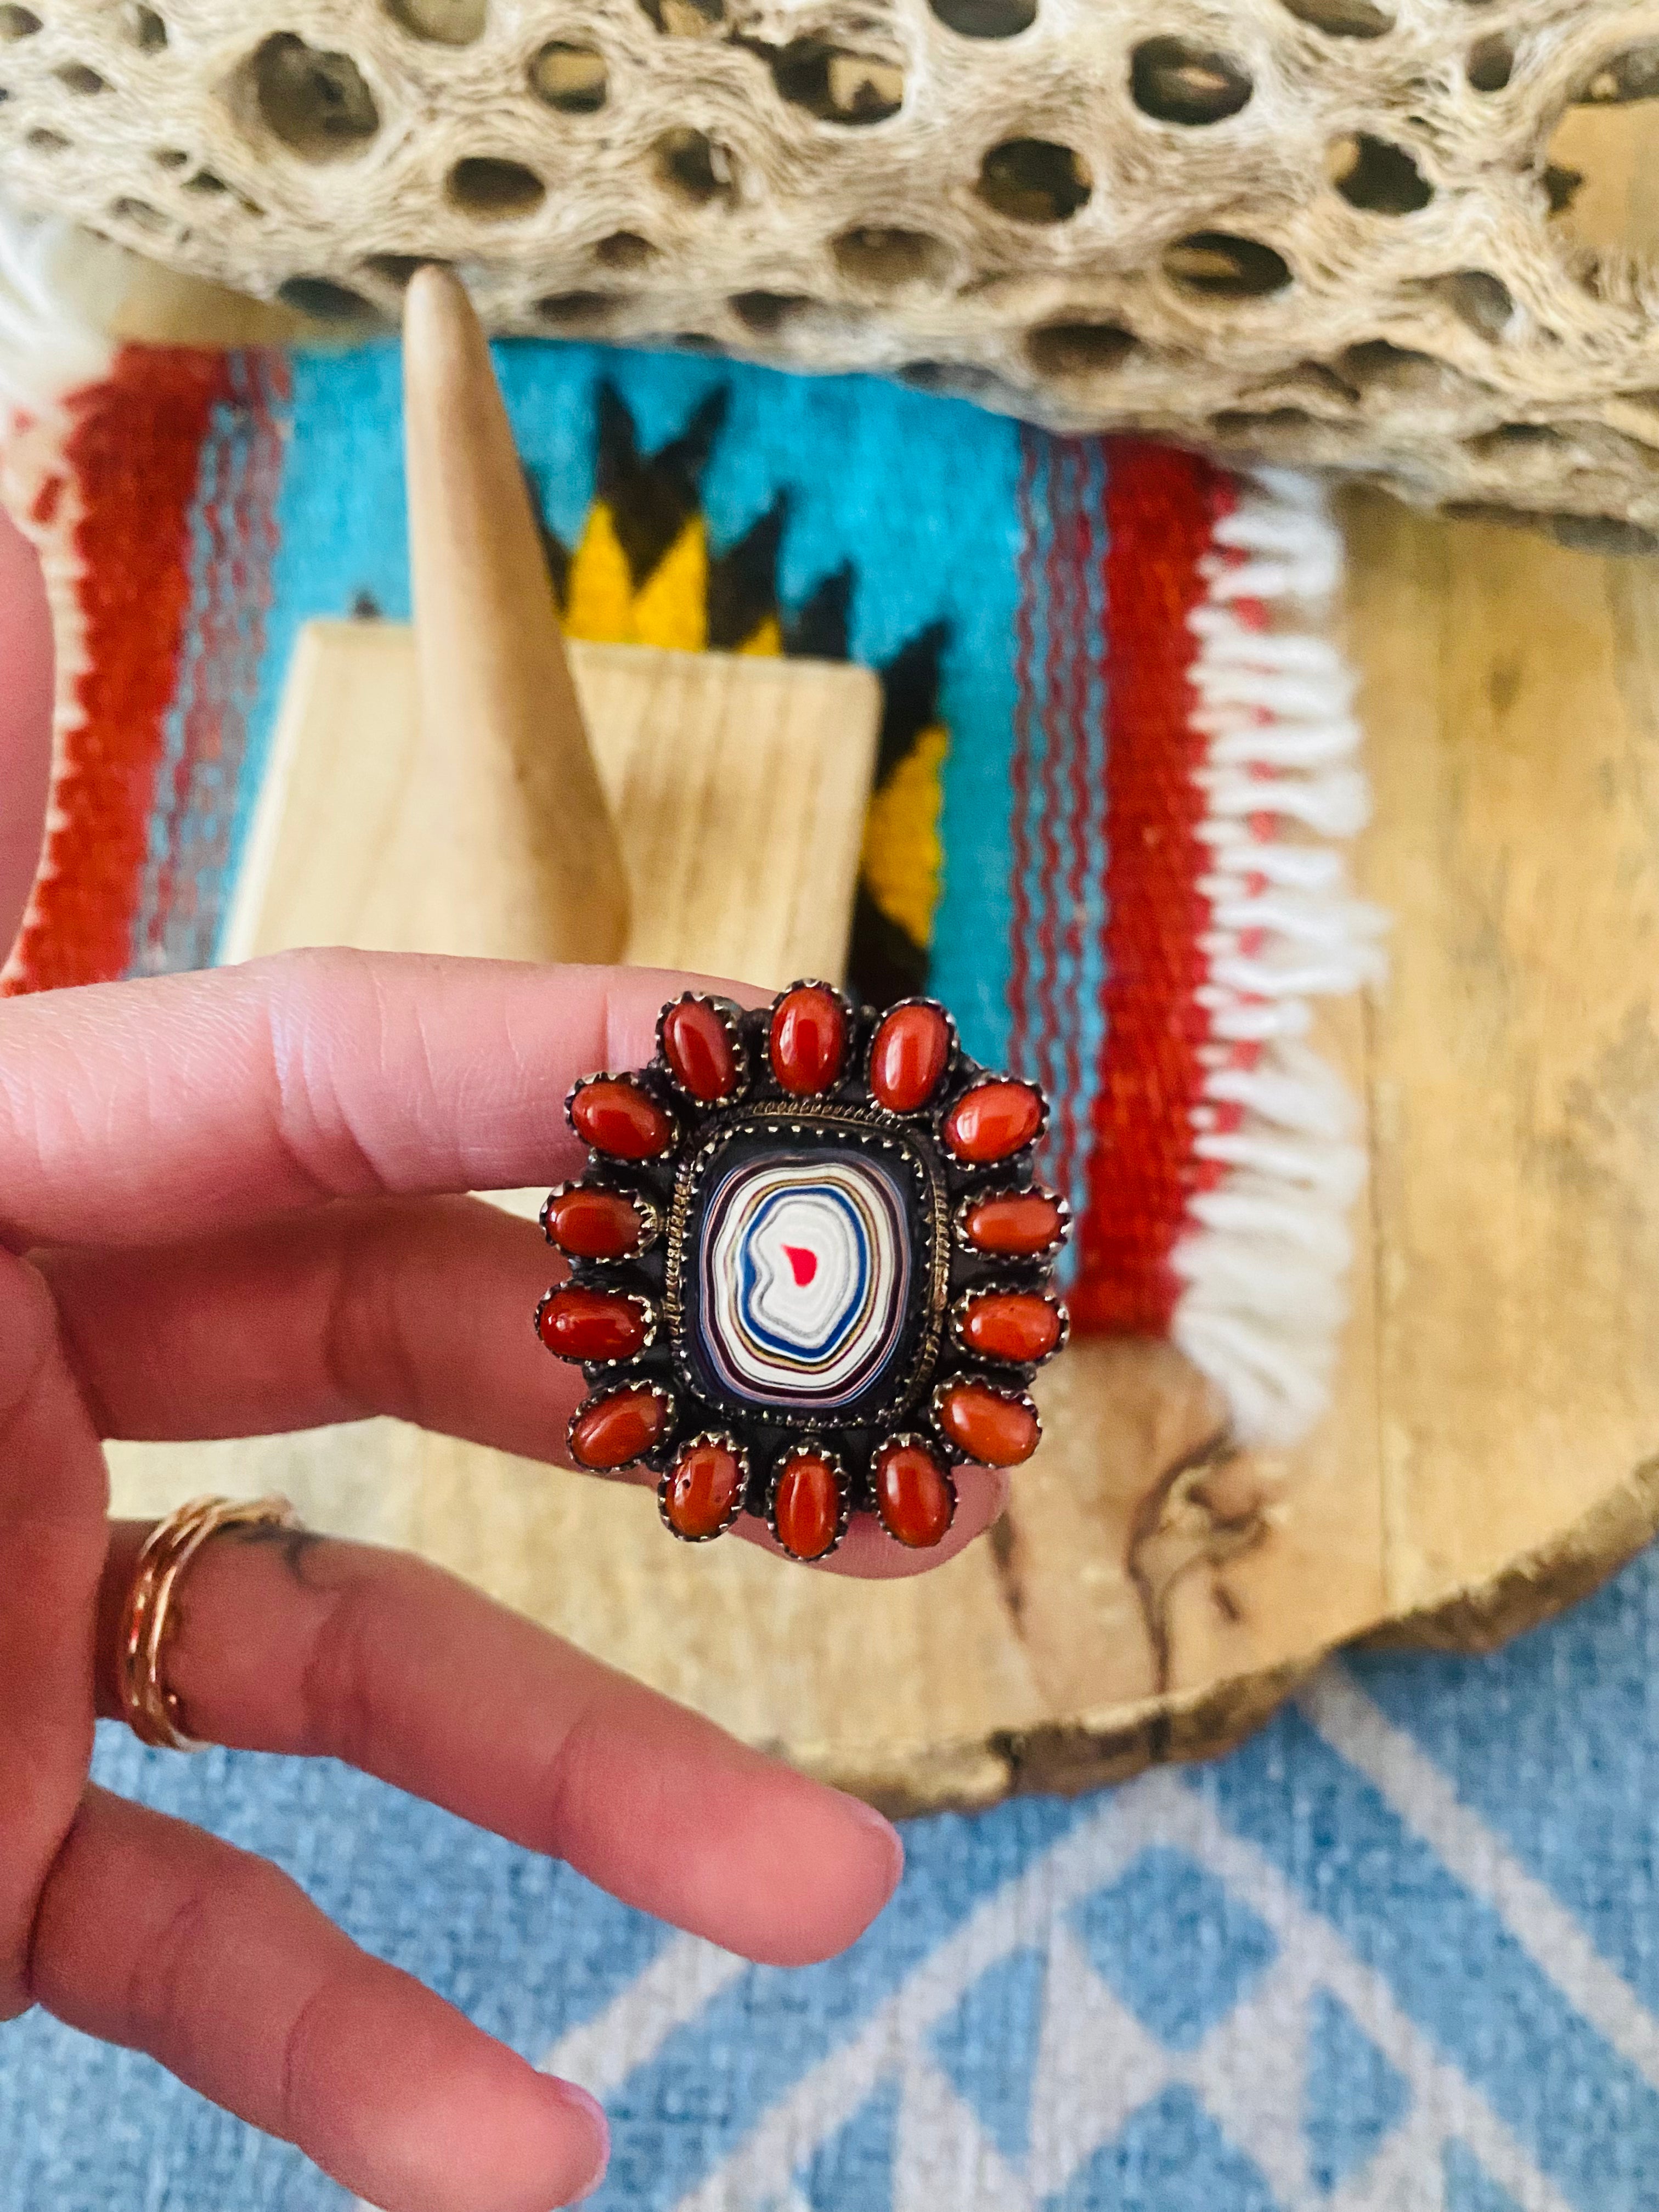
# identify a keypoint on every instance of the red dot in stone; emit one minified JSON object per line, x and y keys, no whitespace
{"x":615,"y":1429}
{"x":809,"y":1039}
{"x":1019,"y":1224}
{"x":912,"y":1045}
{"x":992,"y":1121}
{"x":913,"y":1496}
{"x":593,"y":1224}
{"x":698,"y":1047}
{"x":704,"y":1486}
{"x":806,"y":1505}
{"x":580,"y":1324}
{"x":994,"y":1427}
{"x":1011,"y":1325}
{"x":617,"y":1116}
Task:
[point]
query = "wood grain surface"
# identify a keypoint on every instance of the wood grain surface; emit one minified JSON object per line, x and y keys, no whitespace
{"x":1513,"y":692}
{"x":1494,"y":1448}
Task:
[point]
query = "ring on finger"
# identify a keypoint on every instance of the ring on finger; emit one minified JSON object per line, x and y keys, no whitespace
{"x":150,"y":1710}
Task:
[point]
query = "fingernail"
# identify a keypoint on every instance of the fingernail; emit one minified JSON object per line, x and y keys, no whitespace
{"x":892,"y":1843}
{"x":598,"y":2127}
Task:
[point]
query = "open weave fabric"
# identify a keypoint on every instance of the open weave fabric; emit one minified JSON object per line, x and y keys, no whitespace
{"x":1400,"y":1954}
{"x":1115,"y":773}
{"x":1327,"y":231}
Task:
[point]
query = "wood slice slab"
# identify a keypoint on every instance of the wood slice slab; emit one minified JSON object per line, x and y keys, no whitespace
{"x":1494,"y":1447}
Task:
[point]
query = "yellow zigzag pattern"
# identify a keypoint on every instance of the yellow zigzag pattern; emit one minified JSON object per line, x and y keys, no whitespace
{"x":904,"y":856}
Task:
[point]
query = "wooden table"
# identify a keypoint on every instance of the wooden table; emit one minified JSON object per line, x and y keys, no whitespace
{"x":1492,"y":1451}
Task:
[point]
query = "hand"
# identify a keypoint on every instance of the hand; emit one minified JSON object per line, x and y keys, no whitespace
{"x":221,"y":1213}
{"x":25,"y":654}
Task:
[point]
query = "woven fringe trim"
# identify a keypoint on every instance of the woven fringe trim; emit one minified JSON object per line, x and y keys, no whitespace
{"x":47,"y":351}
{"x":1265,"y":1263}
{"x":39,"y":492}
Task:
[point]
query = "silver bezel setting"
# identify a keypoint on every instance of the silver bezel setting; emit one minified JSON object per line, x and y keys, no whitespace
{"x":849,"y":1015}
{"x":985,"y":1080}
{"x":622,"y":1160}
{"x":727,"y":1013}
{"x":615,"y":1388}
{"x":648,"y":1216}
{"x":998,"y":1290}
{"x":913,"y":1439}
{"x":998,"y":1390}
{"x":871,"y":1127}
{"x":1049,"y":1253}
{"x":929,"y":1108}
{"x":807,"y":1449}
{"x":647,"y":1313}
{"x":722,"y":1439}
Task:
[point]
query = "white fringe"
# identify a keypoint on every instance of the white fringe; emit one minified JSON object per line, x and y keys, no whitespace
{"x":46,"y":349}
{"x":1265,"y":1263}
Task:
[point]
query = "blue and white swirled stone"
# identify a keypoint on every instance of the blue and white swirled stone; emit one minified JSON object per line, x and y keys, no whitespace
{"x":804,"y":1270}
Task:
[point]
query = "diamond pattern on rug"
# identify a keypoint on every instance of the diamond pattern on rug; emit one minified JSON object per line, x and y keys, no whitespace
{"x":1469,"y":2187}
{"x":1359,"y":1974}
{"x":853,"y":2172}
{"x":988,"y":2047}
{"x":1171,"y":2151}
{"x":1171,"y":1943}
{"x":1354,"y":2097}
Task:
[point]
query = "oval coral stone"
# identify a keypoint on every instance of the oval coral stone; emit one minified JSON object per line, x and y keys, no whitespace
{"x":994,"y":1427}
{"x":992,"y":1121}
{"x":912,"y":1045}
{"x":580,"y":1324}
{"x":698,"y":1047}
{"x":617,"y":1117}
{"x":913,"y":1495}
{"x":809,"y":1039}
{"x":1011,"y":1325}
{"x":593,"y":1224}
{"x":615,"y":1429}
{"x":703,"y":1490}
{"x":1018,"y":1223}
{"x":806,"y":1505}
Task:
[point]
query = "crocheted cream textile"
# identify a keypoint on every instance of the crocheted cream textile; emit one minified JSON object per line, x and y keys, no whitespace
{"x":1324,"y":231}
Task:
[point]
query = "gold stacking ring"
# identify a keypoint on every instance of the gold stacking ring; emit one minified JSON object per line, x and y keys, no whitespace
{"x":150,"y":1708}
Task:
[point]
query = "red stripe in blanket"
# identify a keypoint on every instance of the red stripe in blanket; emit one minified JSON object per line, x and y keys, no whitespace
{"x":1161,"y":506}
{"x":132,"y":453}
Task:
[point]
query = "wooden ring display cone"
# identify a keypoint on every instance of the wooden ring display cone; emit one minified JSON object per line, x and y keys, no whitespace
{"x":520,"y":838}
{"x":473,"y":788}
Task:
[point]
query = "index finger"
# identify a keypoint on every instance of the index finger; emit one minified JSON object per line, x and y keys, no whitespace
{"x":133,"y":1113}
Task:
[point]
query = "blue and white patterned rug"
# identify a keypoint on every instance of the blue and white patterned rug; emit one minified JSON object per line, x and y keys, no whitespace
{"x":1399,"y":1951}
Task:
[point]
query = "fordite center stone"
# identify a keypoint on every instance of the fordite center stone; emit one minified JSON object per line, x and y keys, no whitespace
{"x":802,"y":1277}
{"x":810,"y":1267}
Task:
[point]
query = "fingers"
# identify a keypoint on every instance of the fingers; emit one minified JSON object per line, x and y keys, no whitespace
{"x":298,"y":1644}
{"x":134,"y":1112}
{"x":25,"y":654}
{"x":421,"y":1307}
{"x":53,"y":1498}
{"x":417,"y":1308}
{"x":155,"y":1935}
